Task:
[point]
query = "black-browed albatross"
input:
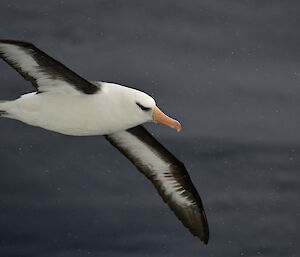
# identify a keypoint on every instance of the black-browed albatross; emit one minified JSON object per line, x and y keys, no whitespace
{"x":69,"y":104}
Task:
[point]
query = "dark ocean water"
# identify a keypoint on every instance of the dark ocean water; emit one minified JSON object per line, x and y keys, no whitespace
{"x":83,"y":199}
{"x":228,"y":70}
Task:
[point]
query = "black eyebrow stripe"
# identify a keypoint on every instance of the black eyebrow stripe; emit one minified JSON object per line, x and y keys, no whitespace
{"x":143,"y":107}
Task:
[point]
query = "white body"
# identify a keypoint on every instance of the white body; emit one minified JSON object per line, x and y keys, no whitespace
{"x":112,"y":109}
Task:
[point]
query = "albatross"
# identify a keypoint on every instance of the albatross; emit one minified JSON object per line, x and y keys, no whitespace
{"x":67,"y":103}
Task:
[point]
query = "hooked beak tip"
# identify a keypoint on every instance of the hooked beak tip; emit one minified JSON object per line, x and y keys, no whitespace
{"x":178,"y":126}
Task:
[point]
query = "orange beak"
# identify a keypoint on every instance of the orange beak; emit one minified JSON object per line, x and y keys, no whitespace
{"x":159,"y":116}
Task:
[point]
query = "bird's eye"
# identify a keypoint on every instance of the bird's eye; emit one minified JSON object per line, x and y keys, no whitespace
{"x":143,"y":107}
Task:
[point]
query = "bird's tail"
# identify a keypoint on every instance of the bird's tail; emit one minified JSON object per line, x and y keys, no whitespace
{"x":3,"y":107}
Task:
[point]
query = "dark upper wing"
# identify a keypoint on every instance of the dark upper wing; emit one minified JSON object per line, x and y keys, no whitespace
{"x":168,"y":175}
{"x":44,"y":72}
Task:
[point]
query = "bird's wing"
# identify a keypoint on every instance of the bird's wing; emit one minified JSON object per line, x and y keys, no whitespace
{"x":168,"y":175}
{"x":44,"y":72}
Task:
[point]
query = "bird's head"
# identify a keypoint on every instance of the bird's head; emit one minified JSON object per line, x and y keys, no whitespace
{"x":146,"y":106}
{"x":135,"y":107}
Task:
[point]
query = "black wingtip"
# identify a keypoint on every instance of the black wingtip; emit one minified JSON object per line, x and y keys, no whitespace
{"x":204,"y":241}
{"x":203,"y":234}
{"x":195,"y":220}
{"x":205,"y":228}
